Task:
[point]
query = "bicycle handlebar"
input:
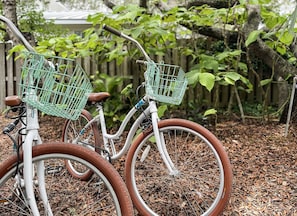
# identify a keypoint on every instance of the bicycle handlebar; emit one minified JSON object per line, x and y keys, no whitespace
{"x":17,"y":33}
{"x":121,"y":34}
{"x":112,"y":30}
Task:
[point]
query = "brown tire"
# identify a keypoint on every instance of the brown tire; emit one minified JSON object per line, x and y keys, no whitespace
{"x":202,"y":185}
{"x":67,"y":195}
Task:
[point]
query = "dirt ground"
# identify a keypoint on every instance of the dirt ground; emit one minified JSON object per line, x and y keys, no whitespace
{"x":264,"y":163}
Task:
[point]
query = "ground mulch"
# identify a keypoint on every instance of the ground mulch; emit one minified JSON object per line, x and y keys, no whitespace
{"x":264,"y":163}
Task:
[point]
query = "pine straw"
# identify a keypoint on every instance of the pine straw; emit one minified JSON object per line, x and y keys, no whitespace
{"x":264,"y":168}
{"x":264,"y":164}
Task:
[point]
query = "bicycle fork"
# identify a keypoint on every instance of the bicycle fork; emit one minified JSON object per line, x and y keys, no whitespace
{"x":161,"y":145}
{"x":33,"y":137}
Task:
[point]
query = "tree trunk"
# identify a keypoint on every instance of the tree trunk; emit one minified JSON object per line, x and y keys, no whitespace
{"x":213,"y":3}
{"x":143,"y":3}
{"x":9,"y":11}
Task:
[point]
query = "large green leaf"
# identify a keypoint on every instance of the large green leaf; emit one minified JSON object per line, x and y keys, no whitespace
{"x":207,"y":80}
{"x":193,"y":77}
{"x":209,"y":62}
{"x":233,"y":75}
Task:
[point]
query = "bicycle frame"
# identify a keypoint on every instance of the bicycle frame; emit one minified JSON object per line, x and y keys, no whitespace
{"x":108,"y":138}
{"x":27,"y":137}
{"x":31,"y":138}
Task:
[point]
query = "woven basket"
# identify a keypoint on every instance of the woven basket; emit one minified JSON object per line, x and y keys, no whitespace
{"x":165,"y":83}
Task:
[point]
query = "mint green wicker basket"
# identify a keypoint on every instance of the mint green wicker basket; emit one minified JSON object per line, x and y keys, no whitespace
{"x":165,"y":83}
{"x":56,"y":86}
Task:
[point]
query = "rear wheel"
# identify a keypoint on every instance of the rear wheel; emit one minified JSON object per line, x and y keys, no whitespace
{"x":75,"y":132}
{"x":203,"y":180}
{"x":104,"y":193}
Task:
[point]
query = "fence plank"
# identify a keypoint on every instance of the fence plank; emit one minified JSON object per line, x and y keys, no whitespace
{"x":2,"y":74}
{"x":10,"y":73}
{"x":18,"y":66}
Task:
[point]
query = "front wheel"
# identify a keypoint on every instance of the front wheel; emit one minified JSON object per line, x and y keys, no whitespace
{"x":202,"y":183}
{"x":104,"y":194}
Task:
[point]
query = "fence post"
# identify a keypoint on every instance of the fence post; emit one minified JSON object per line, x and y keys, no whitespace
{"x":2,"y":75}
{"x":9,"y":72}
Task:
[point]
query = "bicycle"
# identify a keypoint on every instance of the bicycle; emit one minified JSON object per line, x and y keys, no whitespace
{"x":34,"y":180}
{"x":173,"y":166}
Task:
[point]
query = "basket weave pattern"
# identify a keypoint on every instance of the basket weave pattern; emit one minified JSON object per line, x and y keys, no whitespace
{"x":165,"y":83}
{"x":56,"y":86}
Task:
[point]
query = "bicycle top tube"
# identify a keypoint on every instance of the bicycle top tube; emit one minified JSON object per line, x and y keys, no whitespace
{"x":17,"y":33}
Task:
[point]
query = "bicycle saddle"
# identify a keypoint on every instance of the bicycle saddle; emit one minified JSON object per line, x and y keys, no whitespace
{"x":99,"y":96}
{"x":13,"y":100}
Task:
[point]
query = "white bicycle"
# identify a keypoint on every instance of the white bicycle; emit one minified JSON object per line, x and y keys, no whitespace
{"x":34,"y":180}
{"x":173,"y":166}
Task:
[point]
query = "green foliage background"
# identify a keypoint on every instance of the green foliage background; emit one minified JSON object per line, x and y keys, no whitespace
{"x":213,"y":64}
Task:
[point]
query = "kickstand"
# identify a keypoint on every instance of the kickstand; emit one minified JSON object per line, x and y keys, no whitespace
{"x":290,"y":106}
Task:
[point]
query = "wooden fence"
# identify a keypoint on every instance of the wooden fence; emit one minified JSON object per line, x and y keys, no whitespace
{"x":9,"y":73}
{"x":10,"y":76}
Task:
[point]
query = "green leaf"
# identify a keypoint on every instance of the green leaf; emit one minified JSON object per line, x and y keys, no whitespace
{"x":247,"y":83}
{"x":161,"y":110}
{"x":254,"y":2}
{"x":281,"y":49}
{"x":127,"y":89}
{"x":233,"y":76}
{"x":208,"y":62}
{"x":252,"y":37}
{"x":227,"y":54}
{"x":210,"y":112}
{"x":265,"y":82}
{"x":207,"y":80}
{"x":229,"y":81}
{"x":52,"y":41}
{"x":286,"y":38}
{"x":222,"y":55}
{"x":242,"y":66}
{"x":193,"y":77}
{"x":292,"y":60}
